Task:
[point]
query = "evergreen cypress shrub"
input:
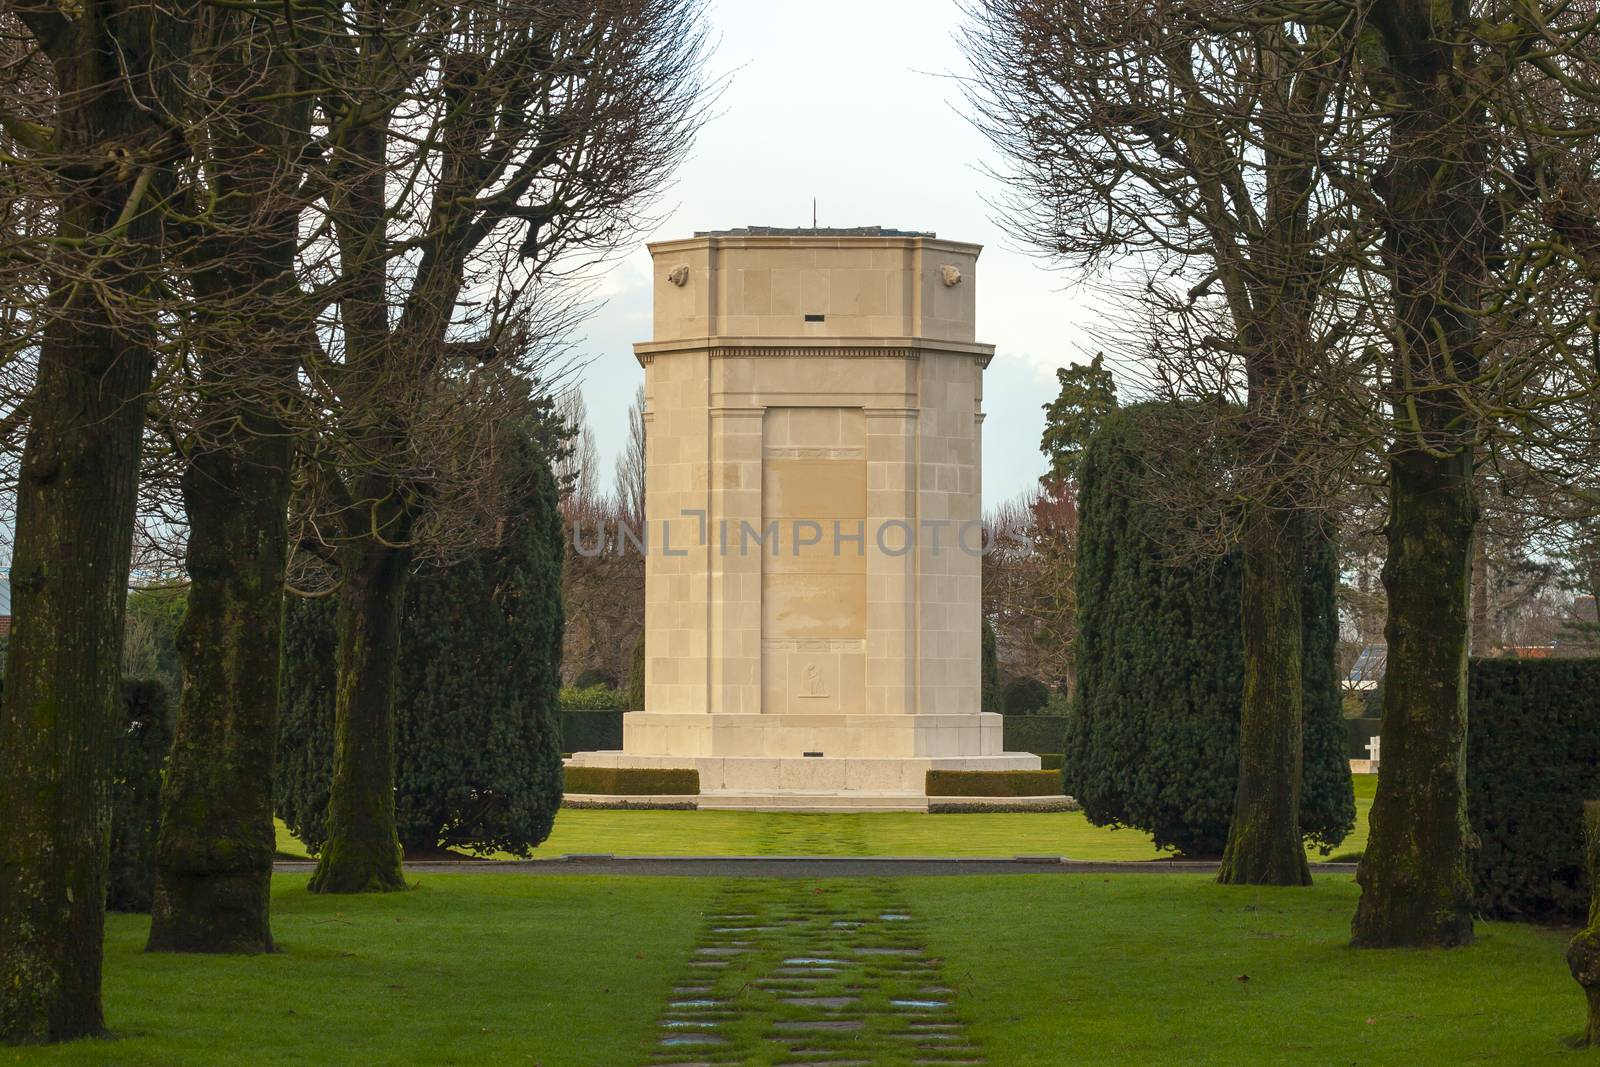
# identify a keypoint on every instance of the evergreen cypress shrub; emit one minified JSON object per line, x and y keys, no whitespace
{"x":477,"y":730}
{"x":635,"y":699}
{"x":990,"y":698}
{"x":1024,"y":696}
{"x":1153,"y":742}
{"x":144,"y":736}
{"x":1533,"y":758}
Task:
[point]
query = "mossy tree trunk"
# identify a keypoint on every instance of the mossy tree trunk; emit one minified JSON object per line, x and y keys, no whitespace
{"x":1416,"y":885}
{"x":1264,"y":842}
{"x":362,"y":853}
{"x":214,"y":861}
{"x":115,"y":66}
{"x":1583,"y":954}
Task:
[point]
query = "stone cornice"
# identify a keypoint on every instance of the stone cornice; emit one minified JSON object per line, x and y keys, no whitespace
{"x":792,"y":241}
{"x":811,"y":348}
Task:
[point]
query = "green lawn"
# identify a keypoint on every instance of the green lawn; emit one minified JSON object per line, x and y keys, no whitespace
{"x":475,"y":969}
{"x":1142,"y":969}
{"x":738,"y":833}
{"x":1048,"y":970}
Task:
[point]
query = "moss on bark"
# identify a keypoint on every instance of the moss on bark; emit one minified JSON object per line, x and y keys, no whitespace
{"x":116,"y":67}
{"x":1416,"y":875}
{"x":1264,"y":844}
{"x":1583,"y":954}
{"x":362,"y":853}
{"x":214,"y":862}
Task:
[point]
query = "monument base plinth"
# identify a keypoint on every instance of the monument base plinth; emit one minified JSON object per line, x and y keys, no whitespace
{"x":761,"y":762}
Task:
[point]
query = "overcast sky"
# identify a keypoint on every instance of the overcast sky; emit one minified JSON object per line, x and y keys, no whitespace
{"x":849,"y":101}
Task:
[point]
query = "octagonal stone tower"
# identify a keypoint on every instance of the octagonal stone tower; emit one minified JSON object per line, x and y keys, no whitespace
{"x":813,"y":427}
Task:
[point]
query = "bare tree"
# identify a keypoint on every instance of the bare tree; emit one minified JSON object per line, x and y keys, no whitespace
{"x":473,"y":150}
{"x":93,"y":131}
{"x":631,"y":464}
{"x":1185,"y":160}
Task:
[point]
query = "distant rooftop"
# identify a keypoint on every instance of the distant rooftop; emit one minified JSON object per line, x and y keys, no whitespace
{"x":815,"y":231}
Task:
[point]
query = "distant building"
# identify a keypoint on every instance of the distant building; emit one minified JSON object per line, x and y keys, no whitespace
{"x":1367,"y":671}
{"x":5,"y":607}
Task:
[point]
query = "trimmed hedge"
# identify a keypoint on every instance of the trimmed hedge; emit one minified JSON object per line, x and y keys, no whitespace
{"x":1035,"y":733}
{"x":633,"y":781}
{"x":1533,"y":758}
{"x":993,"y":784}
{"x":583,"y":730}
{"x":1049,"y":761}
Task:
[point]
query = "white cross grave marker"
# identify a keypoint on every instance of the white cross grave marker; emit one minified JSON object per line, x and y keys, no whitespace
{"x":1372,"y":749}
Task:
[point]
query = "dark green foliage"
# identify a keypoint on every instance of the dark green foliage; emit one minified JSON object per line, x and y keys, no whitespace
{"x":1024,"y":696}
{"x":992,"y":698}
{"x":1153,"y":742}
{"x":1358,"y":732}
{"x":594,"y":676}
{"x":1533,"y":758}
{"x":1049,"y":761}
{"x":633,"y":781}
{"x":305,"y":719}
{"x":1327,"y":798}
{"x":993,"y":784}
{"x":1035,"y":733}
{"x":590,"y":731}
{"x":635,"y":699}
{"x":1088,"y":396}
{"x":478,"y":756}
{"x":144,"y":734}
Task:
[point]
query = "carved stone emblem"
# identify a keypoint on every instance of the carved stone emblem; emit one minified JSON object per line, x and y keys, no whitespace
{"x":952,"y":275}
{"x":813,"y":682}
{"x":679,"y":275}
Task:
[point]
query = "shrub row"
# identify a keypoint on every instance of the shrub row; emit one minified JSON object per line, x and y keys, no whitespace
{"x":1035,"y":733}
{"x":1533,"y":758}
{"x":633,"y":781}
{"x":1049,"y":761}
{"x":993,"y":784}
{"x":959,"y":807}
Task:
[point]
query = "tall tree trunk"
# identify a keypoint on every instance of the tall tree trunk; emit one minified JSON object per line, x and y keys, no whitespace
{"x":1480,"y":644}
{"x":1264,"y":844}
{"x":1583,"y":953}
{"x":214,"y":860}
{"x":76,"y":492}
{"x":362,"y":853}
{"x":1416,"y":885}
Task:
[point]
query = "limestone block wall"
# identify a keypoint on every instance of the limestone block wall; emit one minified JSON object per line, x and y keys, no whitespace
{"x":813,"y":422}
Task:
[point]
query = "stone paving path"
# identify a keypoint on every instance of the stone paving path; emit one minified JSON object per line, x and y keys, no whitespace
{"x":826,"y":973}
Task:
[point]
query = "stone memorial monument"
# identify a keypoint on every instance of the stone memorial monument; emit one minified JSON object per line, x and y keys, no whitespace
{"x":813,"y":547}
